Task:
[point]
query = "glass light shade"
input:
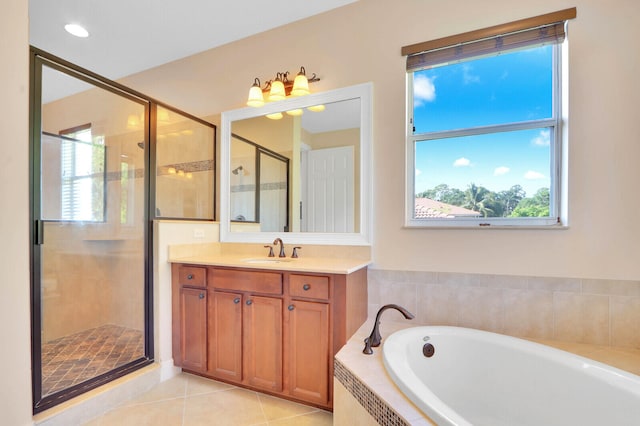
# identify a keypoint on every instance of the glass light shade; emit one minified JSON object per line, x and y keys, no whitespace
{"x":189,"y":175}
{"x":171,"y":170}
{"x":181,"y":173}
{"x":295,"y":112}
{"x":300,"y":86}
{"x":316,"y":108}
{"x":256,"y":99}
{"x":275,"y":116}
{"x":277,"y":91}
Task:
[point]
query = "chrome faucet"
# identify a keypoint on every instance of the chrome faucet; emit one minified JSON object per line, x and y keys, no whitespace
{"x":279,"y":241}
{"x":374,"y":338}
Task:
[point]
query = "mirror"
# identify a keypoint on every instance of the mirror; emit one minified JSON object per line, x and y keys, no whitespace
{"x":305,"y":178}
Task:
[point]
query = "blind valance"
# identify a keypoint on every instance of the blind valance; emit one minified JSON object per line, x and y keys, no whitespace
{"x":544,"y":29}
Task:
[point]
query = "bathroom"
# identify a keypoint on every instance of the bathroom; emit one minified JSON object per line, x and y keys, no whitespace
{"x":578,"y":278}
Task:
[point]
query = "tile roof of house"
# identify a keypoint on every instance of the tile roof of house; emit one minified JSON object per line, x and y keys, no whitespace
{"x":426,"y":207}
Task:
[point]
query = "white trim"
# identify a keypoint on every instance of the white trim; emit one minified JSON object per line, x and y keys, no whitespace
{"x":364,"y":92}
{"x":557,"y":162}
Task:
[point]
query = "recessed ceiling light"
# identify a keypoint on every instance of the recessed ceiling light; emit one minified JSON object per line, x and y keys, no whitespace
{"x":76,"y":30}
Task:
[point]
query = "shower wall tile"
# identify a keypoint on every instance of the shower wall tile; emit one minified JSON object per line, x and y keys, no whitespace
{"x":602,"y":312}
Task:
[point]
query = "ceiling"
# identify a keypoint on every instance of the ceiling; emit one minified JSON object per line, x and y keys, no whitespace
{"x":129,"y":36}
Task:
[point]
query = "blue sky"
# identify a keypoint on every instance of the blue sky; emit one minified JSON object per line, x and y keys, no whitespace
{"x":495,"y":90}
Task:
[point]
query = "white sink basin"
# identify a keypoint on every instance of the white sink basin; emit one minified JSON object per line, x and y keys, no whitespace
{"x":268,"y":260}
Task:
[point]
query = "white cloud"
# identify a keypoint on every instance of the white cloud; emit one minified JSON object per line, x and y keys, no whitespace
{"x":462,"y":162}
{"x":467,"y":77}
{"x":423,"y":90}
{"x":502,"y":170}
{"x":418,"y":172}
{"x":531,"y":175}
{"x":543,"y":139}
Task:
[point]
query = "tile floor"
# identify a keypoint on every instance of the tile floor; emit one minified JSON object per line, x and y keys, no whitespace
{"x":73,"y":359}
{"x":188,"y":400}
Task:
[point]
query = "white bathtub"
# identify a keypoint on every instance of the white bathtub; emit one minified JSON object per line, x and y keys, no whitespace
{"x":481,"y":378}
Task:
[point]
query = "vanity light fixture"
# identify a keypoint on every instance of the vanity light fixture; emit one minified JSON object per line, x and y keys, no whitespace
{"x":76,"y":30}
{"x":280,"y":87}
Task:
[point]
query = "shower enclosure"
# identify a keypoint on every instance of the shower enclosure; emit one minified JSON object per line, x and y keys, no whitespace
{"x":93,"y":144}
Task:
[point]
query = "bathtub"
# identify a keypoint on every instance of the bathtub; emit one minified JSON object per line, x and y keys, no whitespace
{"x":480,"y":378}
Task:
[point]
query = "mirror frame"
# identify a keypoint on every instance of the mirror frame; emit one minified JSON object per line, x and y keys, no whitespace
{"x":364,"y":237}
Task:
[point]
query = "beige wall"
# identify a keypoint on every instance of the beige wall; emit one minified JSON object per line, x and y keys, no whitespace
{"x":361,"y":42}
{"x":15,"y":357}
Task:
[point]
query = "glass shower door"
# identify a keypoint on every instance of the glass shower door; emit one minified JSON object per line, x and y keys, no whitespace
{"x":90,"y":212}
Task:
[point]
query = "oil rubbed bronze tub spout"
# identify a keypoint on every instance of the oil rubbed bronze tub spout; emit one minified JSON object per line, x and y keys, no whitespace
{"x":374,"y":338}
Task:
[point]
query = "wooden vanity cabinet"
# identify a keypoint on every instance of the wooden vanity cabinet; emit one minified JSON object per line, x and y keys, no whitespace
{"x":191,"y":293}
{"x":275,"y":331}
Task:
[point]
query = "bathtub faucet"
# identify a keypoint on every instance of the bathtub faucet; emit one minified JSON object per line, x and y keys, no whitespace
{"x":374,"y":338}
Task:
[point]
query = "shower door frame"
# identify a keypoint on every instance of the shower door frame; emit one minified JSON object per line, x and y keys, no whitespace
{"x":38,"y":59}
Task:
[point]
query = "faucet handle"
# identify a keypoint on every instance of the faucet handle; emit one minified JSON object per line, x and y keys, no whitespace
{"x":270,"y":251}
{"x":295,"y":252}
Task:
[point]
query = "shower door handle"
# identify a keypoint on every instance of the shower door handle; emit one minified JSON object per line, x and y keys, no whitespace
{"x":38,"y":232}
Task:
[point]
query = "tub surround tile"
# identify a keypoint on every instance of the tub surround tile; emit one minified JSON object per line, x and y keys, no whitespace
{"x":528,"y":313}
{"x":625,"y":321}
{"x":595,"y":311}
{"x":438,"y":304}
{"x":555,"y":284}
{"x":581,"y":318}
{"x":611,"y":287}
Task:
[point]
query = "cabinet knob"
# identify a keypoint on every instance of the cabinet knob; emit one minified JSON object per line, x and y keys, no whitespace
{"x":236,"y":300}
{"x":190,"y":276}
{"x":291,"y":307}
{"x":249,"y":302}
{"x":306,"y":287}
{"x":201,"y":296}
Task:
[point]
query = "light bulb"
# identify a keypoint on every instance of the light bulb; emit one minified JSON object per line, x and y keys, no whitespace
{"x":316,"y":108}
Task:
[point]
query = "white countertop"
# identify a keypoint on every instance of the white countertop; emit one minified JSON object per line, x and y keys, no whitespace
{"x":302,"y":264}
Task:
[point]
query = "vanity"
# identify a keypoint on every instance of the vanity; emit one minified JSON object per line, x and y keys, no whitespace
{"x":267,"y":324}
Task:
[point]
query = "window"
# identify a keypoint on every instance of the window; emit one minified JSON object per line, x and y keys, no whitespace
{"x":484,"y":142}
{"x":82,"y":175}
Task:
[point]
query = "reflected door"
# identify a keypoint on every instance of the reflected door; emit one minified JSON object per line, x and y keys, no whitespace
{"x":91,"y":242}
{"x":328,"y":201}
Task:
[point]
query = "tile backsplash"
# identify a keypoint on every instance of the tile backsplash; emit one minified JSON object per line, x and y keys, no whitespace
{"x":600,"y":312}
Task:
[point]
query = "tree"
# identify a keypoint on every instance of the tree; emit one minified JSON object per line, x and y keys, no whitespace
{"x":511,"y":198}
{"x":444,"y":194}
{"x":478,"y":198}
{"x":536,"y":206}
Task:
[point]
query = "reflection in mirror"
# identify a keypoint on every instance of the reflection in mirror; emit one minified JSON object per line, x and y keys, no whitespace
{"x":327,"y":149}
{"x":259,"y":187}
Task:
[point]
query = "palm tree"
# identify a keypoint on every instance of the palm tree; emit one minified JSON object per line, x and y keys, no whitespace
{"x":476,"y":198}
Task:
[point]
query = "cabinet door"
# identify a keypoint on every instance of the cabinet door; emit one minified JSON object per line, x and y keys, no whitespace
{"x":263,"y":342}
{"x":193,"y":328}
{"x":225,"y":334}
{"x":309,"y":351}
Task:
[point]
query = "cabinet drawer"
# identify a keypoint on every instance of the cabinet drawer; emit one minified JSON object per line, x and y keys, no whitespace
{"x":312,"y":286}
{"x":193,"y":276}
{"x":250,"y":281}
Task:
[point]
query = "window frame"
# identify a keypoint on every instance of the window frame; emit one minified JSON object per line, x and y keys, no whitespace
{"x":557,"y":185}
